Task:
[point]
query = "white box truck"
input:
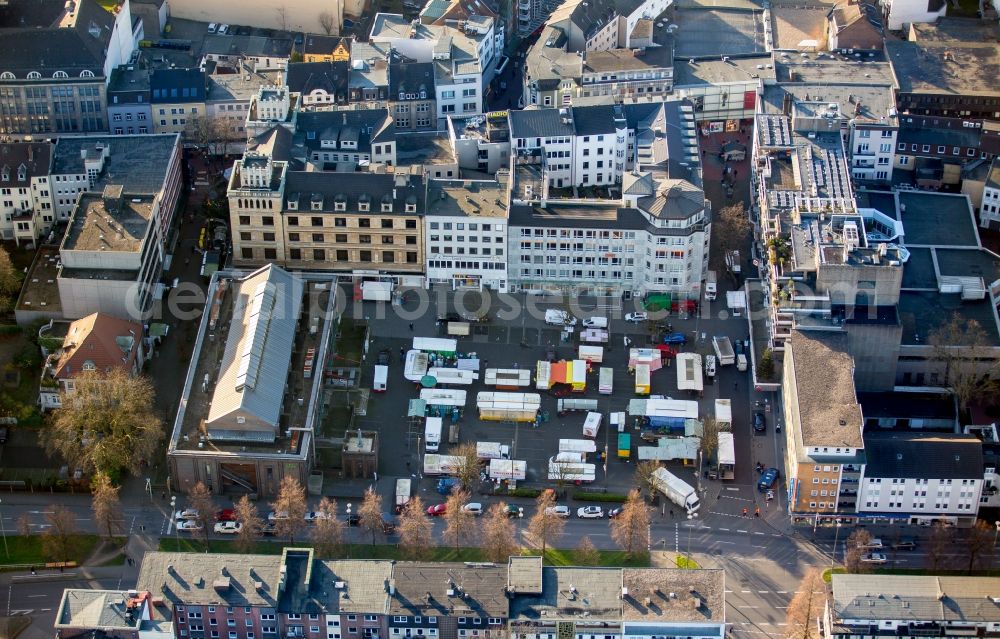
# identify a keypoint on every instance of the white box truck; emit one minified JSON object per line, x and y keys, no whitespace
{"x":402,"y":493}
{"x":724,"y":350}
{"x":591,"y":424}
{"x":376,"y":291}
{"x":509,"y":469}
{"x":606,"y":380}
{"x":711,"y":286}
{"x":492,"y":450}
{"x":677,"y":490}
{"x":381,"y":379}
{"x":432,"y":434}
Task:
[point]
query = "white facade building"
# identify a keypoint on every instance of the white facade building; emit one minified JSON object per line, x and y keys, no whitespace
{"x":899,"y":14}
{"x":26,"y":211}
{"x":921,"y":477}
{"x":989,"y":211}
{"x":466,"y":234}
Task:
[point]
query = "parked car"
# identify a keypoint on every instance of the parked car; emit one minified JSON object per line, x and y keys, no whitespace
{"x":268,"y":529}
{"x":437,"y":510}
{"x":223,"y":29}
{"x":313,"y":515}
{"x":226,"y":514}
{"x":767,"y":479}
{"x":558,"y":511}
{"x":212,"y":27}
{"x":873,"y":544}
{"x":446,"y":485}
{"x":228,"y":527}
{"x":596,"y":322}
{"x":759,"y":423}
{"x":675,"y":338}
{"x":904,"y":545}
{"x":189,"y":525}
{"x":276,"y":515}
{"x":590,"y":512}
{"x":614,"y":512}
{"x":187,"y":513}
{"x":874,"y":558}
{"x":384,"y":357}
{"x":514,"y":510}
{"x":474,"y":508}
{"x":636,"y":317}
{"x":3,"y":434}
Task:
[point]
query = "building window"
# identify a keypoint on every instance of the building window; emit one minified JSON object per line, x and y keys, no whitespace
{"x":319,"y":255}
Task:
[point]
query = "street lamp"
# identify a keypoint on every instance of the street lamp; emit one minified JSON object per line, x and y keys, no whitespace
{"x":4,"y":531}
{"x":836,"y":538}
{"x":177,"y":537}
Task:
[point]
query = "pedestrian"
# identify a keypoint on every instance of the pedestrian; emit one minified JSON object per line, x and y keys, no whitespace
{"x":671,"y":512}
{"x":736,"y":385}
{"x":142,"y":527}
{"x":411,"y":327}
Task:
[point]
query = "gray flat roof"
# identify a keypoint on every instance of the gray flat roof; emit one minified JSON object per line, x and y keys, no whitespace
{"x":915,"y":598}
{"x":922,"y":313}
{"x":597,"y":594}
{"x":138,"y":162}
{"x":922,"y":455}
{"x":96,"y":609}
{"x":441,"y":589}
{"x":674,"y":595}
{"x":833,"y":68}
{"x":709,"y":72}
{"x":717,"y":32}
{"x":919,"y":269}
{"x":926,"y":215}
{"x":108,"y":224}
{"x":954,"y":68}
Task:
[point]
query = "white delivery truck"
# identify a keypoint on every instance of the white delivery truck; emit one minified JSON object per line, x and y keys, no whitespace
{"x":492,"y":450}
{"x":583,"y":473}
{"x":509,"y":469}
{"x":402,"y":493}
{"x":605,"y":384}
{"x":381,"y":378}
{"x":376,"y":291}
{"x":710,"y":366}
{"x":724,"y":350}
{"x":724,"y":414}
{"x":442,"y":464}
{"x":432,"y":434}
{"x":737,"y":302}
{"x":584,"y":446}
{"x":677,"y":490}
{"x":591,"y":424}
{"x":711,"y":286}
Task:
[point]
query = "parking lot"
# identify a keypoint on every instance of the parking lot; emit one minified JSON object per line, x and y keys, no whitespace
{"x":519,"y":343}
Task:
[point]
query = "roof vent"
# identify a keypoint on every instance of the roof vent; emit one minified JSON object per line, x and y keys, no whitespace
{"x":843,"y":422}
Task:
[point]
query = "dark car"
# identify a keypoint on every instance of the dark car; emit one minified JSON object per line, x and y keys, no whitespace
{"x":759,"y":423}
{"x":559,"y":389}
{"x":354,"y":519}
{"x":384,"y":357}
{"x":269,"y":529}
{"x":513,"y":510}
{"x":614,"y":513}
{"x":767,"y":479}
{"x":675,"y":338}
{"x":904,"y":545}
{"x":449,"y":317}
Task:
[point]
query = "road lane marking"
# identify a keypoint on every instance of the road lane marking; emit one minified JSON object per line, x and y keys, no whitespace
{"x":36,"y":596}
{"x":725,"y":529}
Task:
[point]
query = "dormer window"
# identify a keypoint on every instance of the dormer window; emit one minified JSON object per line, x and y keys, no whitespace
{"x":60,"y":74}
{"x":293,"y":205}
{"x":423,"y":94}
{"x":411,"y":208}
{"x":34,"y":75}
{"x":87,"y":73}
{"x":22,"y":173}
{"x":5,"y":173}
{"x":7,"y":75}
{"x":364,"y":206}
{"x":340,"y":203}
{"x":402,"y":96}
{"x":387,"y":207}
{"x":88,"y":365}
{"x":317,"y":205}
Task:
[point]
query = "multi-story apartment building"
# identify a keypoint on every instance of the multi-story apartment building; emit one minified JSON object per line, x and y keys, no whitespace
{"x":26,"y":211}
{"x":466,"y":234}
{"x":935,"y":150}
{"x":178,"y":97}
{"x":412,"y":99}
{"x":921,"y":478}
{"x":249,"y":399}
{"x":129,"y":108}
{"x":57,"y":61}
{"x":481,"y":143}
{"x":938,"y":70}
{"x":351,"y":138}
{"x":320,"y":85}
{"x":989,"y":212}
{"x":326,"y":220}
{"x":879,"y":606}
{"x":369,"y":77}
{"x":272,"y":107}
{"x":296,"y":595}
{"x":463,"y":57}
{"x":257,"y":52}
{"x":319,"y":48}
{"x":824,"y":449}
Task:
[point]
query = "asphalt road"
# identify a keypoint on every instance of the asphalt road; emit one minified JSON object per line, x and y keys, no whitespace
{"x":39,"y":596}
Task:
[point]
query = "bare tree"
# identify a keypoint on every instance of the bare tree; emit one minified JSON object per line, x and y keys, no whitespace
{"x":328,"y":22}
{"x":251,"y":524}
{"x":328,"y":533}
{"x":545,"y":525}
{"x":282,"y":12}
{"x":459,"y":522}
{"x":856,"y":545}
{"x":630,"y":529}
{"x":962,"y":346}
{"x":709,"y":438}
{"x":415,"y":530}
{"x":106,"y":505}
{"x":467,"y":472}
{"x":289,"y":508}
{"x":107,"y":424}
{"x":586,"y":553}
{"x":57,"y":540}
{"x":24,"y":525}
{"x":200,"y":498}
{"x":497,"y":540}
{"x":939,"y":544}
{"x":979,"y":544}
{"x":370,"y":514}
{"x":644,"y":473}
{"x":10,"y":282}
{"x":806,"y":606}
{"x":731,"y":228}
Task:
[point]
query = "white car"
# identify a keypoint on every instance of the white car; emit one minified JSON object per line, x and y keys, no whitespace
{"x":636,"y":317}
{"x":189,"y":525}
{"x":228,"y":527}
{"x":212,"y":27}
{"x":314,"y":515}
{"x":874,"y":544}
{"x":276,"y":515}
{"x":558,"y":511}
{"x":874,"y":558}
{"x":596,"y":322}
{"x":590,"y":512}
{"x":224,"y":29}
{"x":557,"y":317}
{"x":187,"y":513}
{"x":473,"y":508}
